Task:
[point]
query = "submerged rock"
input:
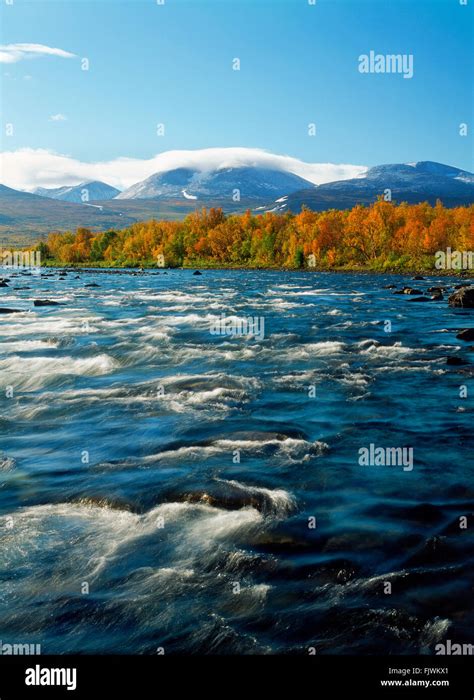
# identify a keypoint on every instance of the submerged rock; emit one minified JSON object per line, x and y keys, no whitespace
{"x":10,"y":311}
{"x":196,"y":272}
{"x":463,"y":298}
{"x":45,"y":302}
{"x":454,"y":360}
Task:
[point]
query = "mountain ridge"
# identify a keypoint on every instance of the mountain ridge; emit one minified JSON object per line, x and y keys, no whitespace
{"x":252,"y":182}
{"x":88,"y":191}
{"x":175,"y":193}
{"x":410,"y":182}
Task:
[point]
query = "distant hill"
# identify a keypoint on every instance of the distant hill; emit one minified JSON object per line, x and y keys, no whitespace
{"x":24,"y":216}
{"x":408,"y":182}
{"x":85,"y":192}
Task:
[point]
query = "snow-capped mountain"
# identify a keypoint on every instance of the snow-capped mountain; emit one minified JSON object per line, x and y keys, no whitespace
{"x":175,"y":193}
{"x":408,"y":182}
{"x":185,"y":183}
{"x":83,"y":193}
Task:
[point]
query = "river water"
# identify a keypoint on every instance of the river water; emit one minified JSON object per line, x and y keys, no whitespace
{"x":165,"y":488}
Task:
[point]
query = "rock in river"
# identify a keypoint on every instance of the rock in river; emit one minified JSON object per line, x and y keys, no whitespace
{"x":45,"y":302}
{"x":410,"y":290}
{"x":463,"y":298}
{"x":454,"y":360}
{"x":466,"y":334}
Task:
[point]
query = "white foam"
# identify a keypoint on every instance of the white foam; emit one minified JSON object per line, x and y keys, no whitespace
{"x":282,"y":501}
{"x":31,"y":373}
{"x":373,"y":347}
{"x":308,"y":350}
{"x":291,"y":449}
{"x":29,"y":345}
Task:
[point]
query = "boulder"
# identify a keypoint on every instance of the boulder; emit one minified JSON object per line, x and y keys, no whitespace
{"x":466,"y":334}
{"x":462,"y":298}
{"x":197,"y":272}
{"x":410,"y":290}
{"x":10,"y":311}
{"x":454,"y":360}
{"x":45,"y":302}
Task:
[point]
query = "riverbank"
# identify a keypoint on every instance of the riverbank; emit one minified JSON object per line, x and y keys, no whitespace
{"x":97,"y":267}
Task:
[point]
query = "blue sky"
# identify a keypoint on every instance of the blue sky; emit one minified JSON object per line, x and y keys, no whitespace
{"x":172,"y":64}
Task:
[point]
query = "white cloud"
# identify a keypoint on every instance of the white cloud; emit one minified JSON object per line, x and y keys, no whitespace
{"x":58,"y":118}
{"x":12,"y":53}
{"x":28,"y":168}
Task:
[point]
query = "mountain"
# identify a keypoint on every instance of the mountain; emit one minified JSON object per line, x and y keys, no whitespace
{"x":253,"y":183}
{"x":25,"y":216}
{"x":94,"y":191}
{"x":176,"y":193}
{"x":408,"y":182}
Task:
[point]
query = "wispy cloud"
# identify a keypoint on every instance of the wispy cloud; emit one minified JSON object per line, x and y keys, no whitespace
{"x":58,"y":118}
{"x":28,"y":168}
{"x":12,"y":53}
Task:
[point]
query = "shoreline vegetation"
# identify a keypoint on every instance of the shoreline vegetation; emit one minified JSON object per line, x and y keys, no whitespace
{"x":381,"y":238}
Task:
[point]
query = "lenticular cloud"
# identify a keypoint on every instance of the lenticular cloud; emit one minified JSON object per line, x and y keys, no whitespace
{"x":28,"y":168}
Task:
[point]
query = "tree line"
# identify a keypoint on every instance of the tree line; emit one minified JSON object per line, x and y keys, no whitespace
{"x":382,"y":236}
